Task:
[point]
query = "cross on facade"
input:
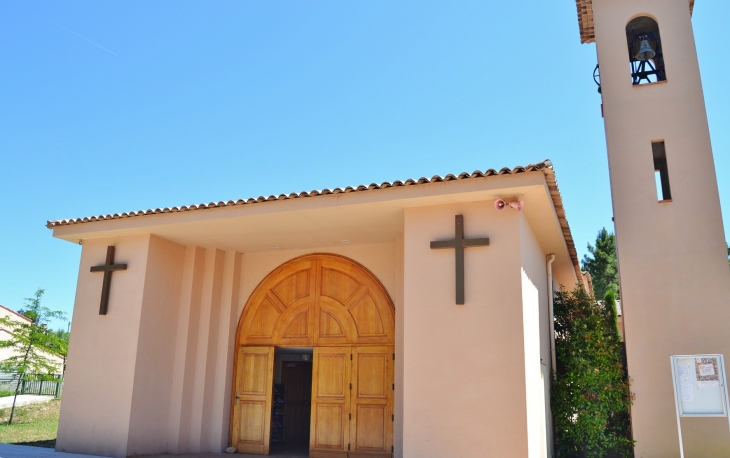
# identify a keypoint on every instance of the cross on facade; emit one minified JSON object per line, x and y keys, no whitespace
{"x":459,"y":243}
{"x":107,"y":268}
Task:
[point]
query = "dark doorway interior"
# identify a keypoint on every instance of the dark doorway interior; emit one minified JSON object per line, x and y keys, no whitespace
{"x":297,"y":380}
{"x":290,"y":419}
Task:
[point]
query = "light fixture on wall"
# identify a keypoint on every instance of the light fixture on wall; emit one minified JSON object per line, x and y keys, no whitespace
{"x":345,"y":241}
{"x":274,"y":246}
{"x":500,"y":204}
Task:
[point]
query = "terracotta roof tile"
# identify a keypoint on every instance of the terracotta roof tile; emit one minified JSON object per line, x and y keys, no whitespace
{"x":545,"y":166}
{"x":361,"y":188}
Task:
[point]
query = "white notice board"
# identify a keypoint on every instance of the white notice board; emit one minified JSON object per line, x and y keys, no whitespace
{"x":700,"y":388}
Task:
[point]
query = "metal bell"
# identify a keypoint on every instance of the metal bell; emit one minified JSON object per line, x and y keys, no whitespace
{"x":645,"y":52}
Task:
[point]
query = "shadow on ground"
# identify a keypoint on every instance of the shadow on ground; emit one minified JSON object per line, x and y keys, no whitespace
{"x":47,"y":444}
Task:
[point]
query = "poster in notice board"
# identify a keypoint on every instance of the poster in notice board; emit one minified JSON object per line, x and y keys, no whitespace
{"x":699,"y":385}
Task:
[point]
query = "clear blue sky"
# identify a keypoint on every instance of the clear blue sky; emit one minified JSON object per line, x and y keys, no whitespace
{"x":115,"y":106}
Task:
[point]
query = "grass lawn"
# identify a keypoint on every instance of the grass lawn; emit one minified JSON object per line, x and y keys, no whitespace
{"x":34,"y":424}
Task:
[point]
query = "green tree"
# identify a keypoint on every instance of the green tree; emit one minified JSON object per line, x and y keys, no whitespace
{"x":62,"y":334}
{"x":611,"y":312}
{"x":32,"y":343}
{"x":602,"y":264}
{"x":58,"y":341}
{"x":591,"y":395}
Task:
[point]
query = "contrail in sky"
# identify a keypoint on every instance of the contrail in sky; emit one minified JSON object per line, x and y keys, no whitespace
{"x":84,"y":38}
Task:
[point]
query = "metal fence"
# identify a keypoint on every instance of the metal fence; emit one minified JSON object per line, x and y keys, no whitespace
{"x":31,"y":384}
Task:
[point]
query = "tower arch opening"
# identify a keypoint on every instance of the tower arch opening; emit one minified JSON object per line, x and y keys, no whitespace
{"x":646,"y":54}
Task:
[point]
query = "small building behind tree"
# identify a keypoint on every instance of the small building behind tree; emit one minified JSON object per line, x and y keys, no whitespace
{"x":6,"y":334}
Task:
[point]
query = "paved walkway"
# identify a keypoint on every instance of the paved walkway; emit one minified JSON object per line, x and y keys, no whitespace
{"x":23,"y":400}
{"x":277,"y":451}
{"x":24,"y":451}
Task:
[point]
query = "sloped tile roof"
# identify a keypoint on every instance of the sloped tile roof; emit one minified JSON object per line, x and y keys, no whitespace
{"x":585,"y":19}
{"x":545,"y":166}
{"x":255,"y":200}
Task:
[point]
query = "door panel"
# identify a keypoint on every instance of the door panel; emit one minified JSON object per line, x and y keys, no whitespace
{"x":329,"y":431}
{"x":252,"y":401}
{"x":253,"y":414}
{"x":371,"y":426}
{"x":318,"y":300}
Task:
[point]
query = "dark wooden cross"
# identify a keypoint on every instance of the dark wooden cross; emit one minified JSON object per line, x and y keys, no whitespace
{"x":107,"y":268}
{"x":459,"y":243}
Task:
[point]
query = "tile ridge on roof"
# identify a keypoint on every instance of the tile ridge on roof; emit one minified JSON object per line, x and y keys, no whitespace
{"x":314,"y":193}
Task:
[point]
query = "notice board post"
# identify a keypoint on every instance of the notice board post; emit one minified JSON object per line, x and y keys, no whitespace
{"x":700,"y":388}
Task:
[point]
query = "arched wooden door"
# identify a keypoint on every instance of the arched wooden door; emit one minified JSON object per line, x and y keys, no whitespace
{"x":339,"y":308}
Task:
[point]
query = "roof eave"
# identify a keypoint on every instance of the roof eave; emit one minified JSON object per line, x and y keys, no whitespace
{"x":316,"y":193}
{"x":546,"y":167}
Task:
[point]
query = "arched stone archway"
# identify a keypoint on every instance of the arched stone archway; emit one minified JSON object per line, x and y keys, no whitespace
{"x":339,"y":308}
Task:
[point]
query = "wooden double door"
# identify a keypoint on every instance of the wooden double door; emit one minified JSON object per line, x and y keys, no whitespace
{"x":352,"y":401}
{"x":339,"y":308}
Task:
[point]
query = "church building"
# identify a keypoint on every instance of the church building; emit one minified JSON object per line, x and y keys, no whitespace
{"x":402,"y":319}
{"x":411,"y":318}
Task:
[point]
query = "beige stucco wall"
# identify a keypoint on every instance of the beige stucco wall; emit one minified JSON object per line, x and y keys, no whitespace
{"x":465,"y":366}
{"x":536,"y":333}
{"x":153,"y":375}
{"x":155,"y":348}
{"x":97,"y":396}
{"x":675,"y":282}
{"x":200,"y":404}
{"x":399,"y":349}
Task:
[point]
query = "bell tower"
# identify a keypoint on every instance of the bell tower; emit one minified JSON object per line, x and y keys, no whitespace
{"x":674,"y":275}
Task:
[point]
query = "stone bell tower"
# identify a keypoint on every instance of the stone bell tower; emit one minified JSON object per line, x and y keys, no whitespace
{"x":674,"y":275}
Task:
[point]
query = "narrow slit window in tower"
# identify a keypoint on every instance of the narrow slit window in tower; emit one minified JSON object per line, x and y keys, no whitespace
{"x":660,"y":171}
